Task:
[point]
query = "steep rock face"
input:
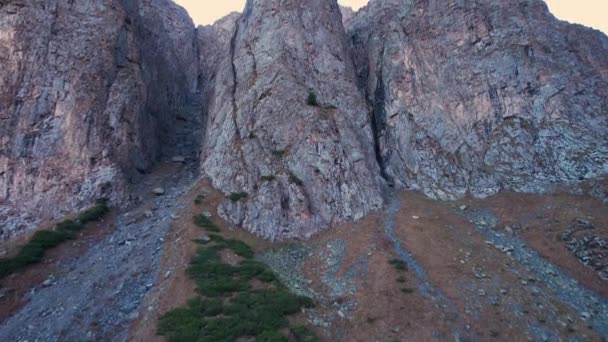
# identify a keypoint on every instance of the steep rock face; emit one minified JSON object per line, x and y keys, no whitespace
{"x":88,"y":95}
{"x":292,"y":168}
{"x":478,"y":96}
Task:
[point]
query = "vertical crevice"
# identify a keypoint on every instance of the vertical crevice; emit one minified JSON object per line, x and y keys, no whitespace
{"x":234,"y":77}
{"x":378,"y":121}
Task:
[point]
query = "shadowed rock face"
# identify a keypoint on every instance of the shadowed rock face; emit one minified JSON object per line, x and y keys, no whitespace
{"x":483,"y":95}
{"x":88,"y":94}
{"x":302,"y":167}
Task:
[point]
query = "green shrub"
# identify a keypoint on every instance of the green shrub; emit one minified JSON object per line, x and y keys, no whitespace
{"x":269,"y":178}
{"x":401,"y":279}
{"x":232,"y":308}
{"x":240,"y":248}
{"x":33,"y":251}
{"x":295,"y":180}
{"x":279,"y":153}
{"x":407,"y":290}
{"x":95,"y":213}
{"x":311,"y":100}
{"x":237,"y":196}
{"x":303,"y":334}
{"x":204,"y":222}
{"x":398,"y":264}
{"x":199,"y":199}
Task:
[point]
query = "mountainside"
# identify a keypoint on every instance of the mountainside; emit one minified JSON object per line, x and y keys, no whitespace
{"x":291,"y":167}
{"x":475,"y":97}
{"x":299,"y":121}
{"x":89,"y":93}
{"x":458,"y":150}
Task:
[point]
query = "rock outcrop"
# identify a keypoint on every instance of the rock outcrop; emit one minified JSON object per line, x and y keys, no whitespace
{"x":479,"y":96}
{"x":298,"y":121}
{"x":89,"y":92}
{"x":290,"y":165}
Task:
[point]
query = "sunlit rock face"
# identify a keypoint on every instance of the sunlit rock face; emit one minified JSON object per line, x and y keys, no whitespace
{"x":479,"y":96}
{"x":297,"y":168}
{"x":88,"y":94}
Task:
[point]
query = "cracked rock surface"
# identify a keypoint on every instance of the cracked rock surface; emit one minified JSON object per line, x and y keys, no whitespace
{"x":88,"y":96}
{"x":296,"y":167}
{"x":479,"y":96}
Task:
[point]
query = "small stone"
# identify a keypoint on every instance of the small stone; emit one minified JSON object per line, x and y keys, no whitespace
{"x":167,"y":274}
{"x":159,"y":191}
{"x":148,"y":213}
{"x":204,"y":238}
{"x":481,"y":292}
{"x":175,"y":217}
{"x":47,"y":283}
{"x":463,"y":207}
{"x":207,"y":214}
{"x":524,"y":282}
{"x":179,"y":159}
{"x":341,"y":314}
{"x":585,"y":316}
{"x":503,"y":291}
{"x":416,"y":217}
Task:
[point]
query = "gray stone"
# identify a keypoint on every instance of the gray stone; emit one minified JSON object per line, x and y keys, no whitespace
{"x":322,"y":157}
{"x":480,"y":96}
{"x":89,"y":92}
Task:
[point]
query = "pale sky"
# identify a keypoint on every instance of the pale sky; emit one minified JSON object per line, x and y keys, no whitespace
{"x":592,"y":13}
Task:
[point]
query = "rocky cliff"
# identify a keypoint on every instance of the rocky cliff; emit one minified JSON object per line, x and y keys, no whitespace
{"x":289,"y":163}
{"x":297,"y":119}
{"x":88,"y":96}
{"x":479,"y":96}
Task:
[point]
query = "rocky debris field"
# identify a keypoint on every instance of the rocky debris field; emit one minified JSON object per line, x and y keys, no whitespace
{"x":591,"y":249}
{"x":94,"y":296}
{"x":510,"y":267}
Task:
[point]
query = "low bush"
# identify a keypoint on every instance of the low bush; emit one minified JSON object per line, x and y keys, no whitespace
{"x":237,"y":196}
{"x":398,"y":264}
{"x":311,"y":100}
{"x":279,"y":153}
{"x":303,"y":334}
{"x":269,"y":178}
{"x":199,"y":199}
{"x":33,"y":252}
{"x":295,"y":180}
{"x":229,"y":307}
{"x":204,"y":222}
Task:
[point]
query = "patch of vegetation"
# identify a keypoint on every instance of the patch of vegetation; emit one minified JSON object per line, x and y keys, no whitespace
{"x":33,"y":252}
{"x":295,"y":180}
{"x":268,"y":178}
{"x":229,"y":307}
{"x":401,"y":279}
{"x":199,"y":199}
{"x":237,"y":196}
{"x":279,"y":153}
{"x":399,"y":264}
{"x":311,"y":100}
{"x":204,"y":222}
{"x":407,"y":290}
{"x":303,"y":334}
